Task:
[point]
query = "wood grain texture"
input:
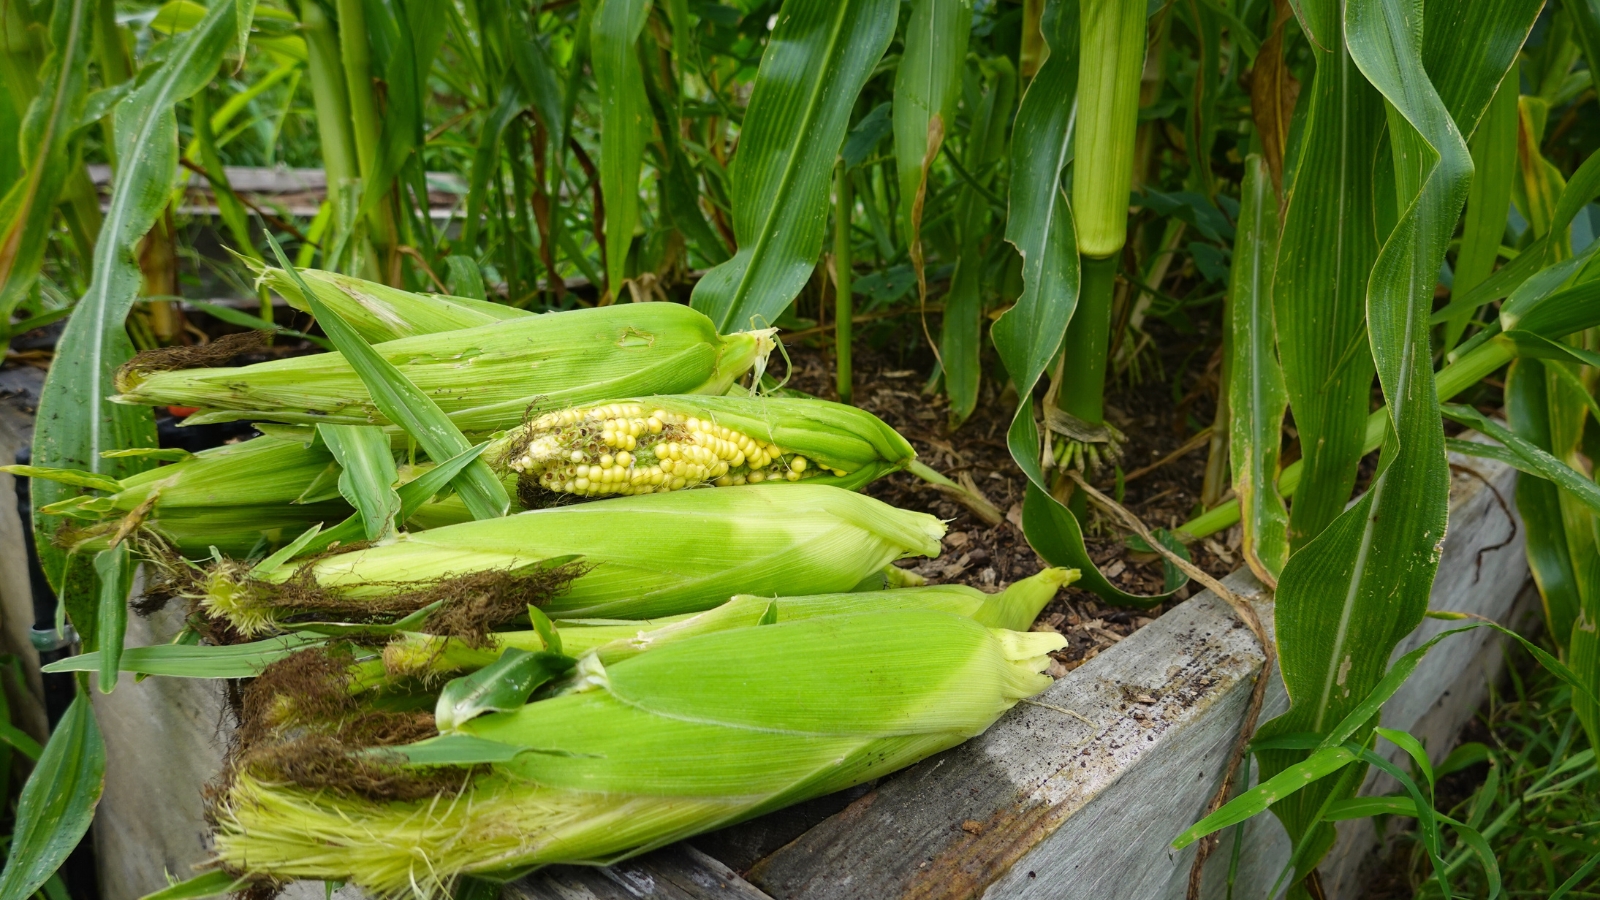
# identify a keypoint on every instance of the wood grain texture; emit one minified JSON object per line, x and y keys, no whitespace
{"x":679,"y":872}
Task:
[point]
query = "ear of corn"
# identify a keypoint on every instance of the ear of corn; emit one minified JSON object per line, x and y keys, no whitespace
{"x":610,"y":640}
{"x":646,"y":556}
{"x":658,"y":444}
{"x":691,"y":736}
{"x":485,"y":377}
{"x":382,"y":313}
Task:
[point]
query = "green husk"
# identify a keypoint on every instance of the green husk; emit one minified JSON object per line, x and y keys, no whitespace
{"x":610,"y":640}
{"x":691,"y":736}
{"x":645,"y":556}
{"x":381,"y":313}
{"x":484,"y":378}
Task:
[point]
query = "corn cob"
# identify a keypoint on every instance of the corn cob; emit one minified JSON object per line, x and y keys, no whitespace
{"x":485,"y":378}
{"x":691,"y":736}
{"x":382,"y":313}
{"x":645,"y":556}
{"x":237,"y":497}
{"x":428,"y":656}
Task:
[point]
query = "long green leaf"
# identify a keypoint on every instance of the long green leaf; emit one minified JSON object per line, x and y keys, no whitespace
{"x":29,"y":206}
{"x":57,"y":803}
{"x":76,"y":422}
{"x":818,"y":58}
{"x":402,"y":403}
{"x":926,"y":85}
{"x":961,"y":337}
{"x":1352,"y":593}
{"x":1319,"y":296}
{"x":1494,"y":159}
{"x":114,"y":568}
{"x":1535,"y":459}
{"x":624,"y":122}
{"x":191,"y":661}
{"x":1257,"y":397}
{"x":367,"y":476}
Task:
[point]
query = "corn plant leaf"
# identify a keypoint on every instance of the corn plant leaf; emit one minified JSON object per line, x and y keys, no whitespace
{"x":1494,"y":156}
{"x":1585,"y":16}
{"x":926,"y":85}
{"x":1320,"y":286}
{"x":27,"y":208}
{"x":624,"y":123}
{"x":819,"y":56}
{"x":1550,"y":559}
{"x":1257,"y":397}
{"x":193,"y":661}
{"x":1534,"y":459}
{"x":211,"y":884}
{"x":76,"y":423}
{"x":57,"y":802}
{"x":367,"y":477}
{"x":1354,"y":591}
{"x":961,"y":335}
{"x":501,"y":686}
{"x":413,"y":494}
{"x":402,"y":403}
{"x":1040,"y":226}
{"x":114,"y":568}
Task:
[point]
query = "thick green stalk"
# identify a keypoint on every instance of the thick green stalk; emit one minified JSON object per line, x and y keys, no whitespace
{"x":1082,"y":388}
{"x":1110,"y":65}
{"x":843,"y":300}
{"x":330,"y":99}
{"x":355,"y":56}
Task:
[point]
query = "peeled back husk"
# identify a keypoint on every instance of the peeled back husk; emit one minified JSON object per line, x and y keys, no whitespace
{"x":485,"y":378}
{"x":237,"y":497}
{"x":381,"y":313}
{"x":681,"y":552}
{"x":689,"y":737}
{"x":432,"y":656}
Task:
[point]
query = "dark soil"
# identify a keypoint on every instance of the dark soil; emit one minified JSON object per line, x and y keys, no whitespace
{"x":991,"y":557}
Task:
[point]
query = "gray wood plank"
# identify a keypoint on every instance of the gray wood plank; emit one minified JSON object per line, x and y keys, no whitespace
{"x":676,"y":873}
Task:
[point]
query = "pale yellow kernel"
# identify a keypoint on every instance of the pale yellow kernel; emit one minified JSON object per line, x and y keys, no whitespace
{"x":792,"y":476}
{"x":607,"y":461}
{"x":678,"y":483}
{"x":724,"y":481}
{"x":654,"y":424}
{"x":657,"y":476}
{"x":798,"y":464}
{"x":577,"y":456}
{"x":738,"y":459}
{"x":839,"y":472}
{"x":756,"y":478}
{"x":581,"y":483}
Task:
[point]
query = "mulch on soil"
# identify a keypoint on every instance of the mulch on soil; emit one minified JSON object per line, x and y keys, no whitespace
{"x":992,"y":557}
